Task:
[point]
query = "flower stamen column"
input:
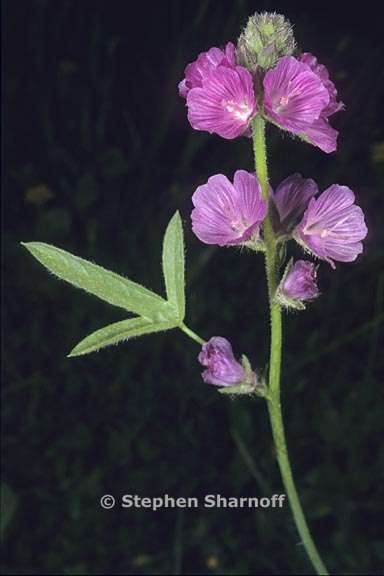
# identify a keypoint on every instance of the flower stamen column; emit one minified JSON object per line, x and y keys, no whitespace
{"x":273,"y":397}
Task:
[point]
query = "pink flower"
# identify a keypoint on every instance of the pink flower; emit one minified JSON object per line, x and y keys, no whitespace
{"x":300,"y":281}
{"x":291,"y":199}
{"x":294,"y":95}
{"x":299,"y":97}
{"x":226,"y":213}
{"x":333,"y":226}
{"x":222,"y":367}
{"x":206,"y":62}
{"x":225,"y":103}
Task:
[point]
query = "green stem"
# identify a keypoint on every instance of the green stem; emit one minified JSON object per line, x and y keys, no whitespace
{"x":191,"y":334}
{"x":274,"y":403}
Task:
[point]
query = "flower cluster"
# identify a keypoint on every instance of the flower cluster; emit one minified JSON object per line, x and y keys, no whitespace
{"x":330,"y":227}
{"x":225,"y":89}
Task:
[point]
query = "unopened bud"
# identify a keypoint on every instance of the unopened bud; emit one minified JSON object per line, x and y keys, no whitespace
{"x":266,"y":38}
{"x":299,"y":283}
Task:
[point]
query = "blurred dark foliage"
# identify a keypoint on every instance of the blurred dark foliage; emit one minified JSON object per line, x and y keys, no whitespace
{"x":98,"y":156}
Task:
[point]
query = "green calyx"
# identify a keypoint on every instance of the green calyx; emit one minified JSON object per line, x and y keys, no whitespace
{"x":251,"y":385}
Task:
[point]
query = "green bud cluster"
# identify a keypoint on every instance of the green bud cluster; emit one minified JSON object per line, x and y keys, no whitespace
{"x":266,"y":38}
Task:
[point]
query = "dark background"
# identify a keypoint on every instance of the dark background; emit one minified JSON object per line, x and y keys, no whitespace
{"x":98,"y":156}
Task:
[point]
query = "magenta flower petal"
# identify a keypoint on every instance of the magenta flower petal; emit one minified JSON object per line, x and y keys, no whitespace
{"x":230,"y":55}
{"x":291,"y":199}
{"x":333,"y":226}
{"x":183,"y":88}
{"x":222,"y":367}
{"x":321,"y":71}
{"x":294,"y":96}
{"x":226,"y":214}
{"x":321,"y":134}
{"x":225,"y":104}
{"x":301,"y":281}
{"x":206,"y":62}
{"x":253,"y":210}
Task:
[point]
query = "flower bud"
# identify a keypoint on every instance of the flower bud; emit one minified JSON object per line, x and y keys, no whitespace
{"x":266,"y":38}
{"x":222,"y":367}
{"x":225,"y":371}
{"x":299,"y":283}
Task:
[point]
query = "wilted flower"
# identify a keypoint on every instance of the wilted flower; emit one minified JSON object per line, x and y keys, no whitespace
{"x":298,"y":284}
{"x":299,"y":97}
{"x":222,"y":367}
{"x":226,"y":213}
{"x":291,"y":199}
{"x":266,"y":38}
{"x":224,"y":104}
{"x":333,"y":226}
{"x":206,"y":62}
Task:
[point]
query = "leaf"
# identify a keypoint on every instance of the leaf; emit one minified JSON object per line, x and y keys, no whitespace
{"x":118,"y":332}
{"x":108,"y":286}
{"x":173,"y":265}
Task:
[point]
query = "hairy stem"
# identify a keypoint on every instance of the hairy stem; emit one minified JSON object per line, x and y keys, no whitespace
{"x":191,"y":334}
{"x":274,"y":403}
